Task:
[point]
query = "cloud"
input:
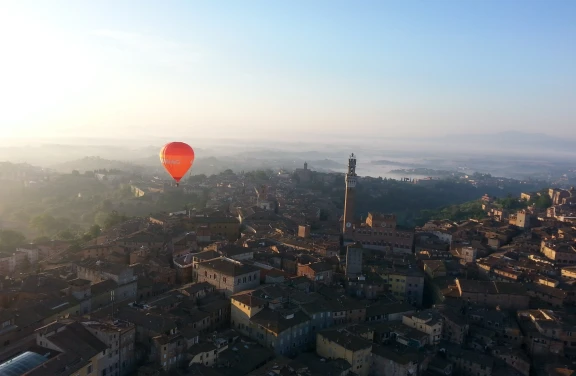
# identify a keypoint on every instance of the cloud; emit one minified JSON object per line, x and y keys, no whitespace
{"x":151,"y":48}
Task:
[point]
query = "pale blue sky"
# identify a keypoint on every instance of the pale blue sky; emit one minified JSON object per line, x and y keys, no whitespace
{"x":239,"y":68}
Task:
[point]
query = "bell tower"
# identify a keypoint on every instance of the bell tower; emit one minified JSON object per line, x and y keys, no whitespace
{"x":350,"y":199}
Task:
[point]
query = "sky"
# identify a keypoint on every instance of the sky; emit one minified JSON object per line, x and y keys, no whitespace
{"x":286,"y":70}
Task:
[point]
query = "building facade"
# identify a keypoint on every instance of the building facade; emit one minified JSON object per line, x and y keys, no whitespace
{"x":319,"y":272}
{"x":100,"y":271}
{"x":228,"y":276}
{"x":120,"y":338}
{"x":354,"y":260}
{"x":350,"y":199}
{"x":340,"y":344}
{"x":381,"y":232}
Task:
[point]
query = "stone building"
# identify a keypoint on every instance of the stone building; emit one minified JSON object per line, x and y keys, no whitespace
{"x":354,"y":260}
{"x":317,"y":271}
{"x":493,"y":294}
{"x":229,"y":276}
{"x":340,"y":344}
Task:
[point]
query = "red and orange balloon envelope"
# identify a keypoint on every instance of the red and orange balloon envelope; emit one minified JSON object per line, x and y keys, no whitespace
{"x":177,"y":158}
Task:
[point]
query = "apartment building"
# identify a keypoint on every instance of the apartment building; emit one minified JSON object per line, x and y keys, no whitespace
{"x":341,"y":344}
{"x":229,"y":276}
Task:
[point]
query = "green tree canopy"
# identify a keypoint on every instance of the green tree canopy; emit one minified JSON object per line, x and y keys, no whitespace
{"x":109,"y":220}
{"x":45,"y":223}
{"x":65,"y":235}
{"x":11,"y":238}
{"x":511,"y":203}
{"x":41,"y":239}
{"x":94,"y":231}
{"x":542,"y":202}
{"x":228,"y":172}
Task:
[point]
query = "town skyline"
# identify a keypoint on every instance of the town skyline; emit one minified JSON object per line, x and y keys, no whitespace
{"x":296,"y":271}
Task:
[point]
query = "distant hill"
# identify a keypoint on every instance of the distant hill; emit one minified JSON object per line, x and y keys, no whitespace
{"x":325,"y":164}
{"x":96,"y":163}
{"x":208,"y":165}
{"x":394,"y":163}
{"x":515,"y":139}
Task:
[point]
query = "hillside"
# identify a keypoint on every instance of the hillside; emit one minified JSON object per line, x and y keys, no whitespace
{"x":96,"y":163}
{"x":460,"y":212}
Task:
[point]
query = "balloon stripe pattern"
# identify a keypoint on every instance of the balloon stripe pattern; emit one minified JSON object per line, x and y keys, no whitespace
{"x":177,"y":158}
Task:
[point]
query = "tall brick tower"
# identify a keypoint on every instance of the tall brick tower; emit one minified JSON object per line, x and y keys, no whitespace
{"x":350,"y":200}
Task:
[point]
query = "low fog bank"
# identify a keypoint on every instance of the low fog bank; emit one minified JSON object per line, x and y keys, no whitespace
{"x":504,"y":154}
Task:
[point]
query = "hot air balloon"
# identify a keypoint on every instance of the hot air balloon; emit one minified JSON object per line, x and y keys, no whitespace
{"x":177,"y":158}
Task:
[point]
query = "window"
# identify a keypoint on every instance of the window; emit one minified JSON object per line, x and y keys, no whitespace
{"x":89,"y":369}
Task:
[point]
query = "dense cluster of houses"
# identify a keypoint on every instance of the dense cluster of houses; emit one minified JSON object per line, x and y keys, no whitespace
{"x":261,"y":283}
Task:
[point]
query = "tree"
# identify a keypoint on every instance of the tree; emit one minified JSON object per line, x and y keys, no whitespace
{"x":94,"y":231}
{"x":11,"y":238}
{"x":107,"y":221}
{"x":74,"y":247}
{"x":543,"y":201}
{"x":107,"y":205}
{"x":296,"y":177}
{"x":197,"y":178}
{"x":45,"y":223}
{"x":228,"y":172}
{"x":511,"y":202}
{"x":21,"y":215}
{"x":65,"y":235}
{"x":100,"y":219}
{"x":41,"y":239}
{"x":89,"y":217}
{"x":26,"y":265}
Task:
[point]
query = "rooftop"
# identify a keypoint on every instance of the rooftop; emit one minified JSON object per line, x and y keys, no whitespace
{"x":21,"y":364}
{"x":79,"y":346}
{"x":397,"y":354}
{"x":320,"y":267}
{"x":490,"y":287}
{"x":232,"y":250}
{"x":346,"y":339}
{"x":278,"y":322}
{"x":103,"y":266}
{"x":229,"y":267}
